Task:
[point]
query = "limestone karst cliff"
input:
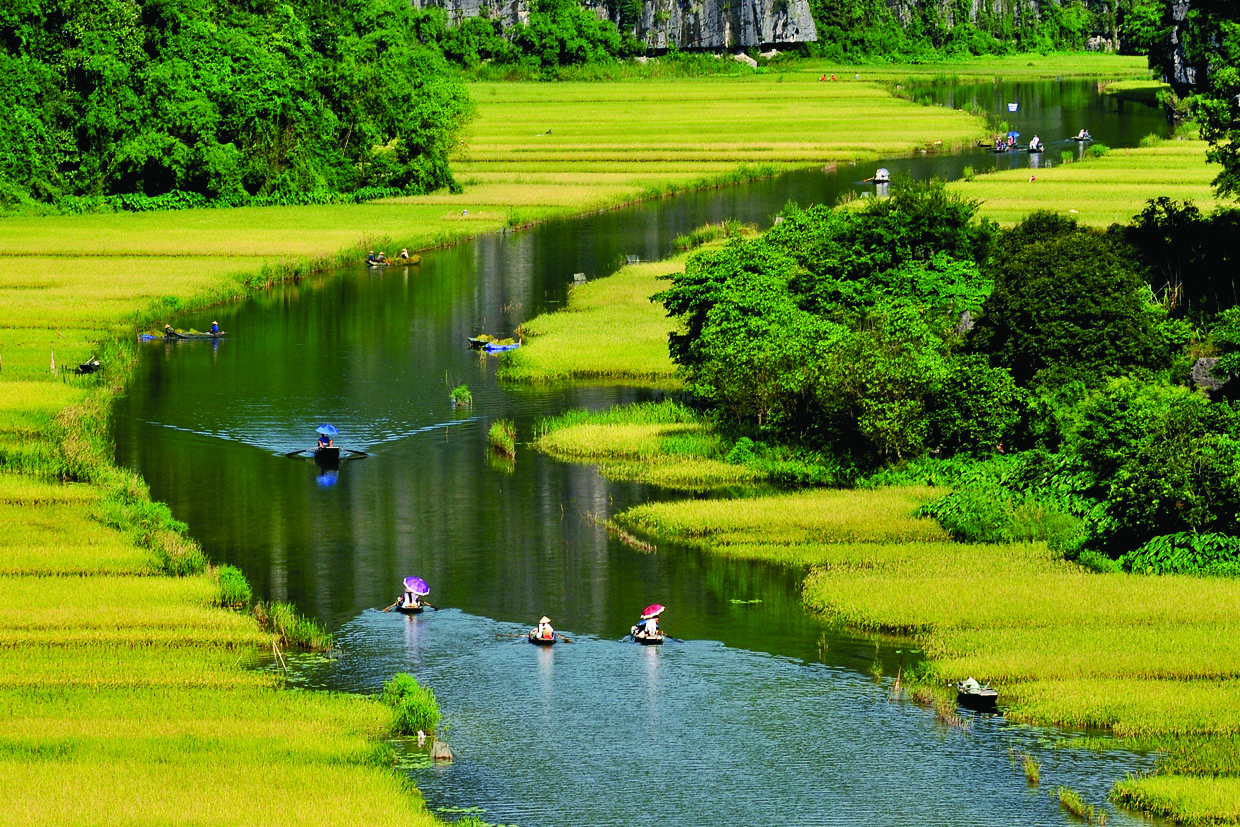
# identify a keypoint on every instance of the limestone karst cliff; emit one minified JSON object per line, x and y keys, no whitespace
{"x":684,"y":24}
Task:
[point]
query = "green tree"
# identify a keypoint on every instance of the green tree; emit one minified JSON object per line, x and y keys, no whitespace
{"x":1071,"y":302}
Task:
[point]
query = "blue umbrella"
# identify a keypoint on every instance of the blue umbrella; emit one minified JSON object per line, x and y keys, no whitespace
{"x":417,"y":585}
{"x":1010,"y":135}
{"x":327,"y":430}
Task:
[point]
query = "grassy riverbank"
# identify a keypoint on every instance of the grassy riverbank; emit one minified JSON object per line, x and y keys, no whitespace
{"x":126,"y":692}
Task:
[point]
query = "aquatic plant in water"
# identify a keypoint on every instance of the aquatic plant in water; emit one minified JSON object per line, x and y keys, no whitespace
{"x":414,"y":707}
{"x":503,"y":437}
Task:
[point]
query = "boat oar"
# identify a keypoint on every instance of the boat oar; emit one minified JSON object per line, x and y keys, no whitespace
{"x":561,"y":637}
{"x":389,"y":608}
{"x":429,"y":606}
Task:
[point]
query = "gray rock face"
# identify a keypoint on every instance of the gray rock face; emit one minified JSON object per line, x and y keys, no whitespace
{"x":685,"y":24}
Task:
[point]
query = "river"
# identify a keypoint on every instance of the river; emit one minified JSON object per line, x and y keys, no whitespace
{"x":762,"y":713}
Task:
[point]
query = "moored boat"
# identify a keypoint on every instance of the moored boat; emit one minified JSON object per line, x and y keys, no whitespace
{"x":977,"y":696}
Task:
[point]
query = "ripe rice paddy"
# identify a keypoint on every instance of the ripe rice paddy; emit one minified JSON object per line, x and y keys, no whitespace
{"x":612,"y":309}
{"x":1155,"y":660}
{"x":125,"y":693}
{"x":1099,"y":191}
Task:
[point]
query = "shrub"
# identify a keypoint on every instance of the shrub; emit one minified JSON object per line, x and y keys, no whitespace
{"x":1186,"y":553}
{"x":414,"y":707}
{"x":235,"y":590}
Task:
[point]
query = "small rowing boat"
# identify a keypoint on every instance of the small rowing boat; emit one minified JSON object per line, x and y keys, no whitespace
{"x":645,"y":639}
{"x":415,"y":609}
{"x":977,"y":696}
{"x":178,"y":335}
{"x":540,"y":641}
{"x":328,"y":455}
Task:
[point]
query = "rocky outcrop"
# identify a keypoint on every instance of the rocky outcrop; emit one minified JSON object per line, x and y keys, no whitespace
{"x":684,"y":24}
{"x":724,"y":24}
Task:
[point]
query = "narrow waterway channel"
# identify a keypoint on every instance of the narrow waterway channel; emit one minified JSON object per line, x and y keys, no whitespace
{"x":763,"y":713}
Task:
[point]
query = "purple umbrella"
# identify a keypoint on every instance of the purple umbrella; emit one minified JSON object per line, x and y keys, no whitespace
{"x":417,"y":585}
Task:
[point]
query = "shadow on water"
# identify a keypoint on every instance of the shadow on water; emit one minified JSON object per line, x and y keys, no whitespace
{"x":765,"y":712}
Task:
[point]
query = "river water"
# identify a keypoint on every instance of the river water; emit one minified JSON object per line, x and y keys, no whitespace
{"x":762,"y":713}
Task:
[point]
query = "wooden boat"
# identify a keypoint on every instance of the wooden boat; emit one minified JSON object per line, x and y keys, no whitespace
{"x":410,"y":610}
{"x":647,"y":640}
{"x":328,"y":457}
{"x":476,"y":342}
{"x":90,"y":366}
{"x":176,"y":334}
{"x":1081,"y":139}
{"x":1036,"y":150}
{"x":977,"y":696}
{"x":541,"y":641}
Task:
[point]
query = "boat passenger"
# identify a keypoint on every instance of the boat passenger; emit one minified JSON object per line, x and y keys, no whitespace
{"x":1083,"y":135}
{"x":370,"y":258}
{"x":1036,"y":144}
{"x":167,"y":331}
{"x":647,"y":627}
{"x":383,"y":259}
{"x":544,"y":630}
{"x":1011,"y":141}
{"x":999,"y":146}
{"x":325,"y":441}
{"x":404,"y":253}
{"x":409,"y":600}
{"x":215,"y":328}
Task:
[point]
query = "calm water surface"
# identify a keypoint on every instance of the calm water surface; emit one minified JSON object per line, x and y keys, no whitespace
{"x":762,"y":714}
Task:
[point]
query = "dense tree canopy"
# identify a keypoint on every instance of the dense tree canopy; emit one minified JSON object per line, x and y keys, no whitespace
{"x":224,"y":98}
{"x":844,"y":333}
{"x":1065,"y":299}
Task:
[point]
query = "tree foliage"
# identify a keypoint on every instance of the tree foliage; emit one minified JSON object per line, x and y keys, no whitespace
{"x":1067,"y":302}
{"x":224,"y":99}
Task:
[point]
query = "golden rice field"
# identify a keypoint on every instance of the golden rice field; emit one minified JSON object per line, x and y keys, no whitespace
{"x":1099,"y":191}
{"x":1155,"y":660}
{"x":125,"y":699}
{"x":616,"y":313}
{"x":125,"y":694}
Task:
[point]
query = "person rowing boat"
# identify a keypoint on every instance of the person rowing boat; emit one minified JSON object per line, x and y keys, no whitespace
{"x":647,"y":628}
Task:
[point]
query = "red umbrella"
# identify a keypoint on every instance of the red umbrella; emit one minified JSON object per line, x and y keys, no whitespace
{"x":653,"y":610}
